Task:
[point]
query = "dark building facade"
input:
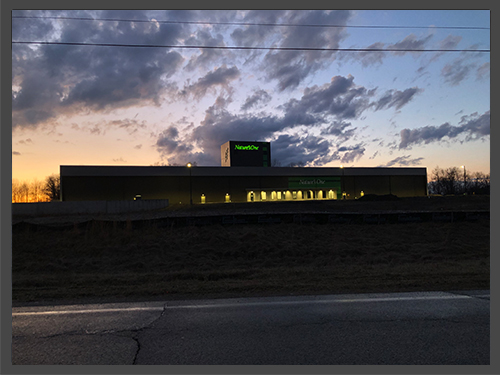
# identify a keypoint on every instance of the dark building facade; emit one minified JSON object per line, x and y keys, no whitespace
{"x":245,"y":154}
{"x":182,"y":184}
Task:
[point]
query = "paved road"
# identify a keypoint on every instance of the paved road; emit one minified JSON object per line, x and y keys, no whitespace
{"x":404,"y":328}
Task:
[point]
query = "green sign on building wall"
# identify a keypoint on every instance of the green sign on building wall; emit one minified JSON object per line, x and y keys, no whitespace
{"x":314,"y":183}
{"x":248,"y":147}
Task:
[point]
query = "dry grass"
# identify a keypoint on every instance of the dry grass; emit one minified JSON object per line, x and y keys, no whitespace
{"x":105,"y":260}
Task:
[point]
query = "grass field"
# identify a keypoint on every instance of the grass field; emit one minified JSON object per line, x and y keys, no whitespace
{"x":105,"y":261}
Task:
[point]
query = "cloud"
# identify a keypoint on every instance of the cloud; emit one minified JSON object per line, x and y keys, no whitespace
{"x":403,"y":161}
{"x":340,"y":98}
{"x":58,"y":80}
{"x":450,"y":42}
{"x":411,"y":42}
{"x":351,"y":153}
{"x":254,"y":35}
{"x":456,"y":72}
{"x":207,"y":56}
{"x":339,"y":130}
{"x":138,"y":147}
{"x":258,"y":97}
{"x":308,"y":150}
{"x":396,"y":98}
{"x":462,"y":67}
{"x":179,"y":151}
{"x":16,"y":153}
{"x":328,"y":107}
{"x":221,"y":76}
{"x":290,"y":68}
{"x":483,"y":72}
{"x":474,"y":126}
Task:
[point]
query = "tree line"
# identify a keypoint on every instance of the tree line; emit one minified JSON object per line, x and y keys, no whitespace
{"x":36,"y":190}
{"x":454,"y":180}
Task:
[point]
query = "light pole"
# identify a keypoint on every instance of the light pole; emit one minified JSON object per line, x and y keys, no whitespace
{"x":189,"y":165}
{"x":463,"y":166}
{"x":342,"y":183}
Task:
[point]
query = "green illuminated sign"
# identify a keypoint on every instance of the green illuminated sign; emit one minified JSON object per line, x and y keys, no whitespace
{"x":249,"y":147}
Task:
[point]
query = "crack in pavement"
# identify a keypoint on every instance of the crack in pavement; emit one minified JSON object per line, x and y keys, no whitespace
{"x":125,"y":333}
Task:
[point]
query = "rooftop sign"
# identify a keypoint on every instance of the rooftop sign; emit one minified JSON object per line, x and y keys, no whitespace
{"x":249,"y":147}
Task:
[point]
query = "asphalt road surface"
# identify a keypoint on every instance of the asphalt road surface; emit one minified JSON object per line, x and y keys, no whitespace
{"x":426,"y":328}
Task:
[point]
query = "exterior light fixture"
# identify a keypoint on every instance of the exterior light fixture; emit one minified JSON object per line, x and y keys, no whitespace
{"x":189,"y":165}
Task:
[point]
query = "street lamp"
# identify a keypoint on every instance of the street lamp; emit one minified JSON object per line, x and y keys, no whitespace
{"x":342,"y":182}
{"x":189,"y":165}
{"x":463,"y":166}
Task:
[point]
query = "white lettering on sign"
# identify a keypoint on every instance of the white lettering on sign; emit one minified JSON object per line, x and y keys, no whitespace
{"x":316,"y":181}
{"x":249,"y":147}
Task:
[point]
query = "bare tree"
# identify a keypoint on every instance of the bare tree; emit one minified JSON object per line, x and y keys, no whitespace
{"x":452,"y":181}
{"x":24,"y":191}
{"x":53,"y":187}
{"x":37,"y":193}
{"x":16,"y":191}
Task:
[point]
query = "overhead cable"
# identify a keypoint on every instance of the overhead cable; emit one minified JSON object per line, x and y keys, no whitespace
{"x":252,"y":48}
{"x":253,"y":23}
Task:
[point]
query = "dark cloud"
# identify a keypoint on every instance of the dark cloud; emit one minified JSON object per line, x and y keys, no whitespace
{"x":465,"y":66}
{"x":339,"y":98}
{"x":351,"y":153}
{"x":258,"y":97}
{"x":16,"y":153}
{"x":339,"y":130}
{"x":254,"y":35}
{"x":207,"y":56}
{"x":396,"y":98}
{"x":308,"y":150}
{"x":290,"y":68}
{"x":177,"y":151}
{"x":404,"y":161}
{"x":66,"y":79}
{"x":376,"y":57}
{"x":221,"y":76}
{"x":474,"y":127}
{"x":411,"y":42}
{"x":327,"y":106}
{"x":456,"y":72}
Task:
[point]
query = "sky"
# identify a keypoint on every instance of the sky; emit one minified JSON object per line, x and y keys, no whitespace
{"x":114,"y":105}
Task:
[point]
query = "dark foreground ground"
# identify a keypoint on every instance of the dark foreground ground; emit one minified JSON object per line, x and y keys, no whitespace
{"x":108,"y":261}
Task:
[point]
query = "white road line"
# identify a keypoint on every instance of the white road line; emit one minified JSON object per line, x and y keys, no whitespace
{"x":243,"y":304}
{"x":91,"y":311}
{"x":357,"y":300}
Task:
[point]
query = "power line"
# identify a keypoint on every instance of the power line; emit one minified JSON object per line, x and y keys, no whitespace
{"x":253,"y":23}
{"x":253,"y":48}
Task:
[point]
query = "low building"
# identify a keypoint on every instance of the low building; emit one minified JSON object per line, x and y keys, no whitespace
{"x":198,"y":185}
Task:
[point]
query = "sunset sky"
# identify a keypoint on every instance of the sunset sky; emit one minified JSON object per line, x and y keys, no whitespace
{"x":113,"y":105}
